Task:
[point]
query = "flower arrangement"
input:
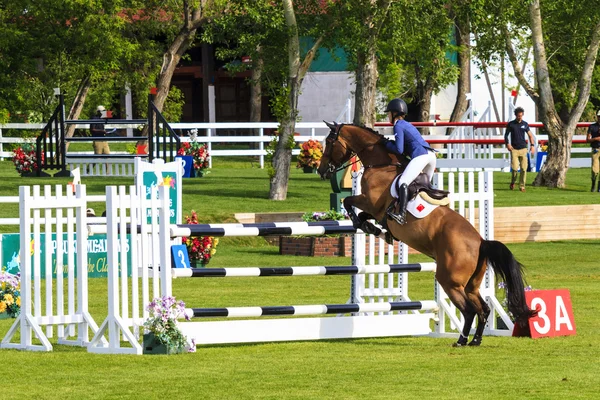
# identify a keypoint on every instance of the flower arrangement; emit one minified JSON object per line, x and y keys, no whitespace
{"x":10,"y":294}
{"x":25,"y":159}
{"x":331,"y":215}
{"x":310,"y":155}
{"x":199,"y":151}
{"x":200,"y":249}
{"x":162,"y":323}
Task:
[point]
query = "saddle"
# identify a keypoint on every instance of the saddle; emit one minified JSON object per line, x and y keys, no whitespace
{"x":421,"y":185}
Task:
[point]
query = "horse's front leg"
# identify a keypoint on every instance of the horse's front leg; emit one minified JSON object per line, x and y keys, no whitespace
{"x":360,"y":221}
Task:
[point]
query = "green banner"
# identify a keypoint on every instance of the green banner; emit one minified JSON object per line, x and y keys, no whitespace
{"x":96,"y":249}
{"x":170,"y":180}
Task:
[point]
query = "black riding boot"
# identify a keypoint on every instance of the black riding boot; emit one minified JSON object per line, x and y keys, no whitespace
{"x":400,"y":203}
{"x":594,"y":184}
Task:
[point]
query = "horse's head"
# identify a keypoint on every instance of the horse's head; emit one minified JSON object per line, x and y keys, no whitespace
{"x":336,"y":151}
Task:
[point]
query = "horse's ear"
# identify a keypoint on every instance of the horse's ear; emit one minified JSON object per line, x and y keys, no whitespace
{"x":332,"y":125}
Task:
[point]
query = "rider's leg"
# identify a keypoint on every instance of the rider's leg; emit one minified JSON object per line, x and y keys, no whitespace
{"x":413,"y":169}
{"x":429,"y":169}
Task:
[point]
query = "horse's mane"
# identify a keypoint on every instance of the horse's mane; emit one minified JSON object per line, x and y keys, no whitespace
{"x":382,"y":139}
{"x":371,"y":130}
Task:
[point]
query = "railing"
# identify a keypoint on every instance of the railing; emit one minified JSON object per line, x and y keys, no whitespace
{"x":50,"y":147}
{"x":167,"y":143}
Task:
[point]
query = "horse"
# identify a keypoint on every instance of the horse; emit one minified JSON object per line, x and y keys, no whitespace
{"x":459,"y":250}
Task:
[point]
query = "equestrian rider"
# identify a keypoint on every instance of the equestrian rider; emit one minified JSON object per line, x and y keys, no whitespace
{"x":410,"y":143}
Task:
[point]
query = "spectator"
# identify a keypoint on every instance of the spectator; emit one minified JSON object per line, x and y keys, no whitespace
{"x":98,"y":131}
{"x":593,"y":138}
{"x":516,"y":143}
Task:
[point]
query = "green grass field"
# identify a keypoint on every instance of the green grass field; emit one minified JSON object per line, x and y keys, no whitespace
{"x":405,"y":368}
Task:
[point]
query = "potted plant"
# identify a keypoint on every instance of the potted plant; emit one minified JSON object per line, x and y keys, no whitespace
{"x":200,"y":248}
{"x":199,"y":152}
{"x":310,"y":156}
{"x":25,"y":159}
{"x":163,"y":335}
{"x":10,"y":295}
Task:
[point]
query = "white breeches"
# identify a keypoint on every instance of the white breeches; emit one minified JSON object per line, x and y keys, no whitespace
{"x":425,"y":163}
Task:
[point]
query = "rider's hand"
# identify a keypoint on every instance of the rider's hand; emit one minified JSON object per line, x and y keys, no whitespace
{"x":509,"y":147}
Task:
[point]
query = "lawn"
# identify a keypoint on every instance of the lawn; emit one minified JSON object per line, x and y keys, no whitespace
{"x":407,"y":368}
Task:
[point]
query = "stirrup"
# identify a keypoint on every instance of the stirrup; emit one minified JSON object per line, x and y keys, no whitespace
{"x":399,"y":218}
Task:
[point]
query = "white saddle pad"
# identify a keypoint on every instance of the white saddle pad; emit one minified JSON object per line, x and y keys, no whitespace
{"x":418,"y":207}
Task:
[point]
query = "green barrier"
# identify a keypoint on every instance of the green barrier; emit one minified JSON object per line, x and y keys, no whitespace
{"x":96,"y":248}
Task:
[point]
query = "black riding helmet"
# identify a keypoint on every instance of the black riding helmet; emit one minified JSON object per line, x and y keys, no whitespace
{"x":397,"y":107}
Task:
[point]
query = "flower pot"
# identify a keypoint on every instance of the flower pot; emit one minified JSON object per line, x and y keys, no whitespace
{"x":308,"y":169}
{"x":199,"y":264}
{"x":151,"y":345}
{"x":5,"y":315}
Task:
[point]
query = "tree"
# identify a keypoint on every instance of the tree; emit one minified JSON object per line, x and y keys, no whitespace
{"x":190,"y":16}
{"x":459,"y":13}
{"x":417,"y":40}
{"x":359,"y":35}
{"x":288,"y":114}
{"x":564,"y":79}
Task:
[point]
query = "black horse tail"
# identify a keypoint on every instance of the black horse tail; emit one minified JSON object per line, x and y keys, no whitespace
{"x":507,"y":268}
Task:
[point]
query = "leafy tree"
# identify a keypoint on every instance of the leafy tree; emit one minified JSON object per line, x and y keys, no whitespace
{"x":565,"y":37}
{"x":414,"y":47}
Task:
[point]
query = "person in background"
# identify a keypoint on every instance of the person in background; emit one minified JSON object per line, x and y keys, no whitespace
{"x":98,"y":131}
{"x":515,"y":137}
{"x":593,"y":138}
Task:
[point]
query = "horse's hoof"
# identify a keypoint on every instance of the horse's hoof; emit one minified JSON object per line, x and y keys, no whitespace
{"x":457,"y":344}
{"x":475,"y":342}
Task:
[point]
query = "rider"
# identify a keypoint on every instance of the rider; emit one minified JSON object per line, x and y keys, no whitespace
{"x":409,"y":142}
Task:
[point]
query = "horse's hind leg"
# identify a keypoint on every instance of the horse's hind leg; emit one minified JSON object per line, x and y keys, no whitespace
{"x":480,"y":306}
{"x":459,"y":298}
{"x":483,"y":313}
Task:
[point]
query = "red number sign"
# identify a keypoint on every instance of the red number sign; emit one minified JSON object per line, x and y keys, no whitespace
{"x":555,"y":314}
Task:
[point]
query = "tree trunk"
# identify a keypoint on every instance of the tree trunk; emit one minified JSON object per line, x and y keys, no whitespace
{"x":554,"y":171}
{"x":296,"y":72}
{"x":282,"y":158}
{"x":366,"y":87}
{"x":77,"y":106}
{"x":424,"y":95}
{"x":463,"y":41}
{"x":256,"y":93}
{"x":171,"y":59}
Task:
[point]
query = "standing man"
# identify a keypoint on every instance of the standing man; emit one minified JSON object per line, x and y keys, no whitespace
{"x":593,"y":138}
{"x":98,"y":131}
{"x":516,"y":143}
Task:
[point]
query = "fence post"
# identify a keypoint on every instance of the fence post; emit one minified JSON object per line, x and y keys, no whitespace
{"x":209,"y":135}
{"x":261,"y":147}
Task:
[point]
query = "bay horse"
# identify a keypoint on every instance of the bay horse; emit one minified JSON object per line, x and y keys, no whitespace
{"x":459,"y":250}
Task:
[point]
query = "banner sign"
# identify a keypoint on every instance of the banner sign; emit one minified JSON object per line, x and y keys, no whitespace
{"x":554,"y":314}
{"x":96,"y":249}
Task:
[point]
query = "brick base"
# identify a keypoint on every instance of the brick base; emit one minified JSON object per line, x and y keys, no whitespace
{"x":320,"y":246}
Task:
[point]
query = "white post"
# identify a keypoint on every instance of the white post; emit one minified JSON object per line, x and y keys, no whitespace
{"x":128,"y":107}
{"x":208,"y":135}
{"x":261,"y":147}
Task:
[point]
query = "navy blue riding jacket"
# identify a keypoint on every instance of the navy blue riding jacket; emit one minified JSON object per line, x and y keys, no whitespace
{"x":408,"y":140}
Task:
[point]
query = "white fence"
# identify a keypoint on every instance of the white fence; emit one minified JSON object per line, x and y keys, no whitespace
{"x":457,"y":155}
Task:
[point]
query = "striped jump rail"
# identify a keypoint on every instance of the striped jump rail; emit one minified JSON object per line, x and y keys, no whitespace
{"x":300,"y":271}
{"x":264,"y":229}
{"x":246,"y":312}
